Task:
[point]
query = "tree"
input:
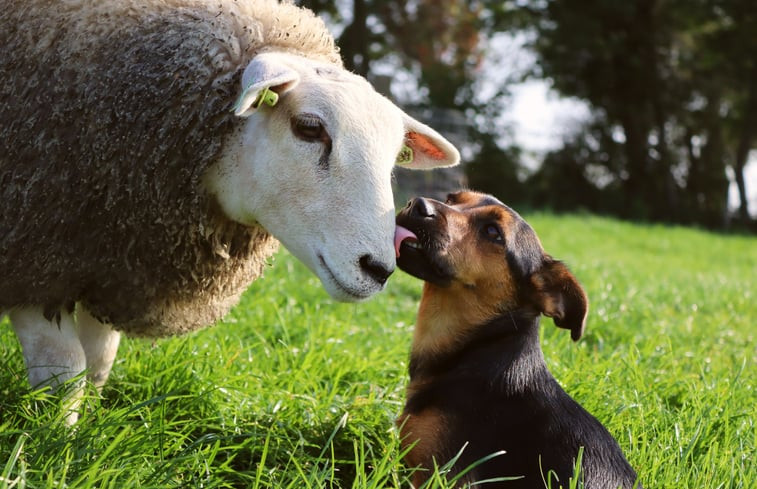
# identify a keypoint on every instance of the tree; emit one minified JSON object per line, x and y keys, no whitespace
{"x":730,"y":45}
{"x":438,"y":40}
{"x":664,"y":76}
{"x":496,"y":170}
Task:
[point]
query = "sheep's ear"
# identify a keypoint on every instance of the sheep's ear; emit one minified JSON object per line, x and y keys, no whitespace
{"x":559,"y":296}
{"x":425,"y":148}
{"x":264,"y":79}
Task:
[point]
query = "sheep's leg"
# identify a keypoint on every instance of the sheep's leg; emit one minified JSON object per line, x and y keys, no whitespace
{"x":52,"y":352}
{"x":100,"y":343}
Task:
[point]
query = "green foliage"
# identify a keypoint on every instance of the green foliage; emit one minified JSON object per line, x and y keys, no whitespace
{"x":293,"y":390}
{"x":496,"y":171}
{"x":671,"y":83}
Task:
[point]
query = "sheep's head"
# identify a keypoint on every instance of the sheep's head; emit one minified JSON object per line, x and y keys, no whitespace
{"x":314,"y":168}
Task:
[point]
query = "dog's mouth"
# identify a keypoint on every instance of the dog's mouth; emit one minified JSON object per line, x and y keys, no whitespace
{"x":403,"y":236}
{"x":417,"y":256}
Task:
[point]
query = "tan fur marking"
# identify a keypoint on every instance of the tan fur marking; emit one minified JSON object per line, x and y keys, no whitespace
{"x":425,"y":430}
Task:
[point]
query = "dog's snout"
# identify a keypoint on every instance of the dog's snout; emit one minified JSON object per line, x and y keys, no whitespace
{"x":375,"y":269}
{"x":420,"y":207}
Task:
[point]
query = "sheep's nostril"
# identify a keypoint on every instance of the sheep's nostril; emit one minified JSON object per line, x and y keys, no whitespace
{"x":375,"y":269}
{"x":422,"y":208}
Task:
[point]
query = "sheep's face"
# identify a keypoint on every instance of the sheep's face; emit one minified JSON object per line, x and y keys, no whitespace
{"x":314,"y":169}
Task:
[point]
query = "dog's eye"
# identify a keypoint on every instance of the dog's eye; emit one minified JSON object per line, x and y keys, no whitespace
{"x":493,"y":233}
{"x":309,"y":127}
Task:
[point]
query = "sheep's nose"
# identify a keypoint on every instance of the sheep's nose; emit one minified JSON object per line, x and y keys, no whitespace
{"x":375,"y":269}
{"x":420,"y":207}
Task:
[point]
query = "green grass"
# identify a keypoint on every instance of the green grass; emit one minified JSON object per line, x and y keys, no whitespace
{"x":294,"y":390}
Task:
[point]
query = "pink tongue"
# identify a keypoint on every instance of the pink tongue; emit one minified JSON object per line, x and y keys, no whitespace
{"x":400,"y":235}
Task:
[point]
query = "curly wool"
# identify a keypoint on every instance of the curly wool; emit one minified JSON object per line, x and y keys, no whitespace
{"x":111,"y":111}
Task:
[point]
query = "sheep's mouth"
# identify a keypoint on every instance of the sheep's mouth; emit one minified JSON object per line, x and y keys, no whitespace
{"x":350,"y":292}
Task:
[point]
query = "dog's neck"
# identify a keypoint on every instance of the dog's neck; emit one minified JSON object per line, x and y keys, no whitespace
{"x":504,"y":347}
{"x":448,"y":313}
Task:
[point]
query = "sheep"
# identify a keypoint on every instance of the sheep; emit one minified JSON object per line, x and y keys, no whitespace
{"x":153,"y":153}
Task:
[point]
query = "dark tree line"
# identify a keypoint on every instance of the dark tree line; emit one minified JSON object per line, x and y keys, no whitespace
{"x":671,"y":86}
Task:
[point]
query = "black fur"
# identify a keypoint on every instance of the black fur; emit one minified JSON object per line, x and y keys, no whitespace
{"x":496,"y":393}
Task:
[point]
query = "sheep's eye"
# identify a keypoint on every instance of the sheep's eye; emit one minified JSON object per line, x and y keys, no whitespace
{"x":309,"y":127}
{"x":493,"y":233}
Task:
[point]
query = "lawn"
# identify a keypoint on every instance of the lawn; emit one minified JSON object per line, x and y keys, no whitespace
{"x":294,"y":390}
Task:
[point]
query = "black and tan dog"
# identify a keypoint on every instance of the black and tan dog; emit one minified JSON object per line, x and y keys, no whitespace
{"x":477,"y":373}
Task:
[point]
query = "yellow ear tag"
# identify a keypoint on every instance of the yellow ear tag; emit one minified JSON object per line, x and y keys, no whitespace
{"x":405,"y":157}
{"x":267,"y":96}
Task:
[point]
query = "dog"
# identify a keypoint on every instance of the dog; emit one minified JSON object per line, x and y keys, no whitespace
{"x":478,"y":380}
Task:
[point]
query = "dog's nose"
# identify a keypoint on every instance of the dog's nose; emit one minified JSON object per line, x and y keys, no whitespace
{"x":421,"y":207}
{"x":375,"y":269}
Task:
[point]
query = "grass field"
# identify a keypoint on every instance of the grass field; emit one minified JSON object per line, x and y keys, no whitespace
{"x":293,"y":390}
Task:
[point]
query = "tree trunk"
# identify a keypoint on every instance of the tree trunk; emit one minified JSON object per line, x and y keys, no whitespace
{"x":353,"y":43}
{"x":636,"y":185}
{"x":712,"y":200}
{"x":748,"y":127}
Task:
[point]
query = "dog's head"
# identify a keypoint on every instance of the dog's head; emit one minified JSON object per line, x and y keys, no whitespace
{"x":473,"y":248}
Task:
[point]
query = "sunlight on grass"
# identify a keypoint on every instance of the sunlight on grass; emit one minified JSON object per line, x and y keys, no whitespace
{"x":294,"y":390}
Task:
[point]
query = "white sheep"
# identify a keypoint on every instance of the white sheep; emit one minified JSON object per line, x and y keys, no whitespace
{"x":147,"y":150}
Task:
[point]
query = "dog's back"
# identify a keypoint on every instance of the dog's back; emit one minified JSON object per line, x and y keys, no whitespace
{"x":478,"y":380}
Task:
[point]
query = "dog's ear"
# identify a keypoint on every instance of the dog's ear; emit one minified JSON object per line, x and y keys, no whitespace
{"x":558,"y":295}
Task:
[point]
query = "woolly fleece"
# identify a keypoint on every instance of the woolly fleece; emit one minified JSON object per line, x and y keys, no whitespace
{"x":110,"y":113}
